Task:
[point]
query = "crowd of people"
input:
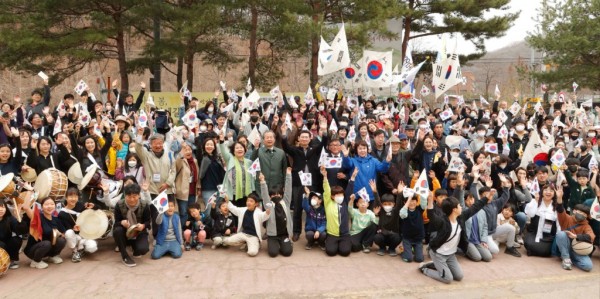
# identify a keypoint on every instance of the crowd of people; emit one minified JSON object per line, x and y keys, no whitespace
{"x":393,"y":175}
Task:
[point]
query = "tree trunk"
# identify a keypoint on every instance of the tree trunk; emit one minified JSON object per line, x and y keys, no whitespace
{"x":155,"y":70}
{"x":121,"y":58}
{"x":253,"y":58}
{"x":406,"y":24}
{"x":179,"y":72}
{"x":189,"y":75}
{"x":314,"y":49}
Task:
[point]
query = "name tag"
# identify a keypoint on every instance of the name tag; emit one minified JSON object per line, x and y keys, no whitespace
{"x":156,"y":177}
{"x":547,"y":227}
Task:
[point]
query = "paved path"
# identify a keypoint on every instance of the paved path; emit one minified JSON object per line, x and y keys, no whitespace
{"x":230,"y":273}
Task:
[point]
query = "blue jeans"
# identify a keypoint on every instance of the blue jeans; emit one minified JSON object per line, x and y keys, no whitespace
{"x":521,"y":219}
{"x":172,"y":247}
{"x":183,"y":206}
{"x":206,"y":194}
{"x":562,"y":248}
{"x":408,"y":248}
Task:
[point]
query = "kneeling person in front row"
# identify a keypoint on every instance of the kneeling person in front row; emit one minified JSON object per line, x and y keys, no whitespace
{"x":132,"y":219}
{"x":250,"y":221}
{"x":279,"y":225}
{"x":168,"y":238}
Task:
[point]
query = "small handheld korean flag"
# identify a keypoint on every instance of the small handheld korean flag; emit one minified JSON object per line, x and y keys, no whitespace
{"x":333,"y":127}
{"x":43,"y":75}
{"x":593,"y":163}
{"x":595,"y":210}
{"x":248,"y":86}
{"x":425,"y":91}
{"x":213,"y":198}
{"x":331,"y":93}
{"x":254,"y":168}
{"x":446,"y":114}
{"x":97,"y":130}
{"x":190,"y":119}
{"x":351,"y":134}
{"x":408,"y":192}
{"x":308,"y":97}
{"x":275,"y":92}
{"x":503,"y":132}
{"x":491,"y":148}
{"x":362,"y":193}
{"x":322,"y":157}
{"x":456,"y":165}
{"x":422,"y":186}
{"x":575,"y":86}
{"x":415,"y":116}
{"x":305,"y":178}
{"x":561,"y":97}
{"x":143,"y":119}
{"x":483,"y":101}
{"x":534,"y":186}
{"x":254,"y":134}
{"x":222,"y":84}
{"x":497,"y":91}
{"x":332,"y":162}
{"x":57,"y":126}
{"x":81,"y":87}
{"x":161,"y":202}
{"x":514,"y":108}
{"x":558,"y":158}
{"x":502,"y":117}
{"x":150,"y":101}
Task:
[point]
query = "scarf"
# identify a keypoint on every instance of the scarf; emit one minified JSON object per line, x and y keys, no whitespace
{"x":242,"y":181}
{"x":545,"y":213}
{"x":131,"y":213}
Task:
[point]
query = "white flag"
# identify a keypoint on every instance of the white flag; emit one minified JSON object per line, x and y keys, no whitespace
{"x":497,"y":91}
{"x":275,"y":92}
{"x":409,"y":76}
{"x":248,"y":86}
{"x":143,"y":119}
{"x":333,"y":127}
{"x":308,"y":97}
{"x":57,"y":126}
{"x":80,"y":87}
{"x":483,"y":101}
{"x":335,"y":57}
{"x":575,"y":86}
{"x":362,"y":193}
{"x":425,"y":91}
{"x":534,"y":147}
{"x":322,"y":157}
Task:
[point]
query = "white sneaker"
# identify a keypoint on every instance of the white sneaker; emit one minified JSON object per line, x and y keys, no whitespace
{"x":55,"y":259}
{"x":40,"y":265}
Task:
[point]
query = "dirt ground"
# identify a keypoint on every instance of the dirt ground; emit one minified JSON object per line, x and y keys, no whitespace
{"x":229,"y":272}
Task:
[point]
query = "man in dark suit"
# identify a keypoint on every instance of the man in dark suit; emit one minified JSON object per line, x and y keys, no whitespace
{"x":336,"y":176}
{"x":273,"y":162}
{"x":306,"y":159}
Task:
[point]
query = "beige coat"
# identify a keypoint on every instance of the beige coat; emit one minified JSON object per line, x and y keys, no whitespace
{"x":182,"y":178}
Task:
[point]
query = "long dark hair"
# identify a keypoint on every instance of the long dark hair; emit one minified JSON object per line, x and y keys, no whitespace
{"x":128,"y":157}
{"x":204,"y":153}
{"x":5,"y":221}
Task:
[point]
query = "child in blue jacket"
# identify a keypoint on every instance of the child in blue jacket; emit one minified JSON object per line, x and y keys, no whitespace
{"x":168,"y":238}
{"x":316,"y":223}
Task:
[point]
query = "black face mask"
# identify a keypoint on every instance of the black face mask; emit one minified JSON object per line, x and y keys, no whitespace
{"x":573,"y":168}
{"x":309,"y":124}
{"x":530,"y":173}
{"x":574,"y":137}
{"x":276,"y":199}
{"x":583,"y":148}
{"x":254,"y":118}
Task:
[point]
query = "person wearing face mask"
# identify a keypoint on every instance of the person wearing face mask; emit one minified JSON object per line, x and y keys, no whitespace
{"x":364,"y":223}
{"x":388,"y":237}
{"x":338,"y":239}
{"x":502,"y":165}
{"x":316,"y":223}
{"x":518,"y":141}
{"x":132,"y":167}
{"x":279,"y":224}
{"x":478,"y":139}
{"x":575,"y":228}
{"x":253,"y":123}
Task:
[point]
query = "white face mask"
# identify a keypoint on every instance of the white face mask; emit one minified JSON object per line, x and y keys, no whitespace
{"x":387,"y":209}
{"x":473,"y":115}
{"x":520,"y":128}
{"x":486,"y":126}
{"x":591,"y":134}
{"x":202,"y":128}
{"x":321,"y":108}
{"x":454,"y":155}
{"x":132,"y":163}
{"x":503,"y":165}
{"x":314,"y":202}
{"x":481,"y":133}
{"x":423,"y":126}
{"x":211,"y":109}
{"x":465,"y":131}
{"x":345,"y":115}
{"x":343,"y":124}
{"x":339,"y":199}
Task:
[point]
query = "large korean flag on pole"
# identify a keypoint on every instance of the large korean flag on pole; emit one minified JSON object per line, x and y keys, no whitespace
{"x":378,"y":69}
{"x":354,"y":75}
{"x":446,"y":74}
{"x":335,"y":57}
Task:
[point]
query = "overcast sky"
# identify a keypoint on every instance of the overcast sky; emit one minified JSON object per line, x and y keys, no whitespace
{"x":521,"y":26}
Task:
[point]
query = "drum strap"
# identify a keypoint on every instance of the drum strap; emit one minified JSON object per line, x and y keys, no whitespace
{"x":52,"y":160}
